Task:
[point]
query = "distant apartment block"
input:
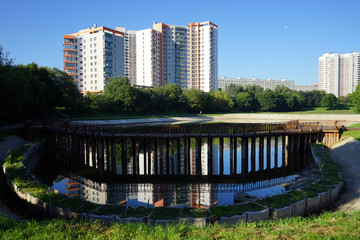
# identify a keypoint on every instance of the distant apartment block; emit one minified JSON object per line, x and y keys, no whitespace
{"x":339,"y":73}
{"x":92,"y":56}
{"x":224,"y":82}
{"x":165,"y":54}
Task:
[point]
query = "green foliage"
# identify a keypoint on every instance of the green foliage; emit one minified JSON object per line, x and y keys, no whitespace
{"x":355,"y":98}
{"x":29,"y":91}
{"x":330,"y":101}
{"x":196,"y":100}
{"x":220,"y":101}
{"x":246,"y":102}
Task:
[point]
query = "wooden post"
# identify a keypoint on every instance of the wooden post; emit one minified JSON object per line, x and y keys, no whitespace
{"x":231,"y":156}
{"x":156,"y":156}
{"x":284,"y":150}
{"x":221,"y":156}
{"x":93,"y":152}
{"x":123,"y":157}
{"x":235,"y":156}
{"x":167,"y":156}
{"x":172,"y":156}
{"x":161,"y":157}
{"x":276,"y":151}
{"x":178,"y":157}
{"x":107,"y":154}
{"x":198,"y":156}
{"x":87,"y":151}
{"x":244,"y":156}
{"x":113,"y":156}
{"x":145,"y":156}
{"x":268,"y":152}
{"x":210,"y":156}
{"x":185,"y":156}
{"x":149,"y":158}
{"x":261,"y":153}
{"x":188,"y":158}
{"x":100,"y":156}
{"x":253,"y":155}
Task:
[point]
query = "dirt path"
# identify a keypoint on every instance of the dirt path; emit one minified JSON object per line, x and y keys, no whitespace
{"x":347,"y":155}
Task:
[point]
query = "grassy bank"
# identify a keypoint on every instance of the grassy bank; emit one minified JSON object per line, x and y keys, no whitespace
{"x":326,"y":225}
{"x":354,"y":133}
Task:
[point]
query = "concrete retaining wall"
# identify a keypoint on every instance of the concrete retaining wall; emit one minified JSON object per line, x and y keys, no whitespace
{"x":300,"y":208}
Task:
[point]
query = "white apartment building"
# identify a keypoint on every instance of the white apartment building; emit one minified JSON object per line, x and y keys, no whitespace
{"x":203,"y":56}
{"x":188,"y":55}
{"x":224,"y":82}
{"x":148,"y":58}
{"x":92,"y":56}
{"x":339,"y":73}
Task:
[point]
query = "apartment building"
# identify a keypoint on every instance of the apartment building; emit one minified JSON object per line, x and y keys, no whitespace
{"x":339,"y":73}
{"x":224,"y":82}
{"x":129,"y":53}
{"x":165,"y":54}
{"x":92,"y":56}
{"x":148,"y":57}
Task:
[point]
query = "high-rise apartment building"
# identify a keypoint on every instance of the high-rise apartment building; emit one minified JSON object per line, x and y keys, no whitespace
{"x":148,"y":57}
{"x":92,"y":56}
{"x":339,"y":73}
{"x":129,"y":53}
{"x":165,"y":54}
{"x":189,"y":55}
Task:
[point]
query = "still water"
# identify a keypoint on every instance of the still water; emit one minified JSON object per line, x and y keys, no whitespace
{"x":90,"y":186}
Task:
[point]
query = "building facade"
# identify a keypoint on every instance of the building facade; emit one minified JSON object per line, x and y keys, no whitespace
{"x":165,"y":54}
{"x":224,"y":82}
{"x":339,"y":73}
{"x":92,"y":56}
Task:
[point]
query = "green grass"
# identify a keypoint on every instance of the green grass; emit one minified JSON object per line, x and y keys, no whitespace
{"x":232,"y":210}
{"x":194,"y":213}
{"x":353,"y":133}
{"x":165,"y":213}
{"x":321,"y":110}
{"x":327,"y":225}
{"x":137,"y":212}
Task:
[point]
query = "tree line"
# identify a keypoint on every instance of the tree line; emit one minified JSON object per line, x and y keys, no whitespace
{"x":30,"y":92}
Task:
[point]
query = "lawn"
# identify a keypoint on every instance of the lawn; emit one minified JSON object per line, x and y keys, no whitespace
{"x":353,"y":133}
{"x":327,"y":225}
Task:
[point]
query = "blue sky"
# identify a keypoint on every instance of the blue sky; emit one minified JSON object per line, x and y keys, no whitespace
{"x":264,"y":39}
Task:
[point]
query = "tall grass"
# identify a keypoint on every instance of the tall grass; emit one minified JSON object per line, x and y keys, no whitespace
{"x":327,"y":225}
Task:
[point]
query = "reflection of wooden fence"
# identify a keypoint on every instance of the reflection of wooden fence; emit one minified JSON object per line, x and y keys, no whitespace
{"x":174,"y":151}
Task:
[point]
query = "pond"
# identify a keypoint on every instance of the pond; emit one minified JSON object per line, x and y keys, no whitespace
{"x":183,"y":178}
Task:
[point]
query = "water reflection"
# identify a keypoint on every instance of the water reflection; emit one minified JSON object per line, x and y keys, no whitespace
{"x":169,"y":195}
{"x":268,"y":166}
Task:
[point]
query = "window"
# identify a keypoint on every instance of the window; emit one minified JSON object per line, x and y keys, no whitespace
{"x":90,"y":39}
{"x":94,"y":38}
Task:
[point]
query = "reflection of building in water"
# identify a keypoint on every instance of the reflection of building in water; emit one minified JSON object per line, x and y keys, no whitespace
{"x":166,"y":195}
{"x":158,"y":195}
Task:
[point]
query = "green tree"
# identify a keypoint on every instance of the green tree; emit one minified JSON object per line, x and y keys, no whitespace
{"x":196,"y":100}
{"x":246,"y":102}
{"x":330,"y":101}
{"x":355,"y":98}
{"x":220,"y":101}
{"x":267,"y":101}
